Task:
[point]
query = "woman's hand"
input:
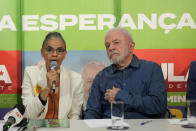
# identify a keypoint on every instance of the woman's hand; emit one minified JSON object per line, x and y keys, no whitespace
{"x":52,"y":75}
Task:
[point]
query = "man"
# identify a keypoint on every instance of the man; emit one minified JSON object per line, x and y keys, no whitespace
{"x":138,"y":83}
{"x":191,"y":90}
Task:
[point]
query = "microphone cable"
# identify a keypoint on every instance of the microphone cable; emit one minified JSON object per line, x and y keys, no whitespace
{"x":25,"y":121}
{"x":53,"y":66}
{"x":23,"y":126}
{"x":54,"y":104}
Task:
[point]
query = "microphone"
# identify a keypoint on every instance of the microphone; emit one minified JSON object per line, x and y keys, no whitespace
{"x":53,"y":66}
{"x":14,"y":116}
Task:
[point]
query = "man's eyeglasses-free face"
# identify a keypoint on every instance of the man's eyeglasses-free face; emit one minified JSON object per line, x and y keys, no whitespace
{"x":59,"y":50}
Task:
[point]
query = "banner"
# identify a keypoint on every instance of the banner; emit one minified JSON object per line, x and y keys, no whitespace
{"x":163,"y":33}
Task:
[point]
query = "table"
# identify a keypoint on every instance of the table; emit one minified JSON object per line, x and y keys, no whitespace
{"x":155,"y":125}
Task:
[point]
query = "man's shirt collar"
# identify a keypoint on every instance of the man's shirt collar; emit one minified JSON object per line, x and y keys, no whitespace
{"x":134,"y":64}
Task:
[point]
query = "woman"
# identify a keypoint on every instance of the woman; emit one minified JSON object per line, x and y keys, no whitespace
{"x":37,"y":93}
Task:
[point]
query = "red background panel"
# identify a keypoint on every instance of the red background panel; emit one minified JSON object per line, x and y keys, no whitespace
{"x":180,"y":58}
{"x":12,"y":62}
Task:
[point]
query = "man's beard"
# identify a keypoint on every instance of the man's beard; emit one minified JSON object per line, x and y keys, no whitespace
{"x":120,"y":57}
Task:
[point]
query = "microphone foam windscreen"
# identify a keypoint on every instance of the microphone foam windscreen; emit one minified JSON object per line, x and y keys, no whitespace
{"x":20,"y":107}
{"x":53,"y":65}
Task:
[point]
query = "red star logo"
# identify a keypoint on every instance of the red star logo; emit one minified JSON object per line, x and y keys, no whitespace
{"x":1,"y":73}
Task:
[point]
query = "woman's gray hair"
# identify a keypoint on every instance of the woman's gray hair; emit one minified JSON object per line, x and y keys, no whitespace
{"x":53,"y":34}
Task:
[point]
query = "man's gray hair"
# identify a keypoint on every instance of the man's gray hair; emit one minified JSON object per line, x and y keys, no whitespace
{"x":123,"y":31}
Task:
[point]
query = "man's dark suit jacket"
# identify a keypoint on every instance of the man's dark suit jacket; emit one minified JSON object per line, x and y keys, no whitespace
{"x":191,"y":83}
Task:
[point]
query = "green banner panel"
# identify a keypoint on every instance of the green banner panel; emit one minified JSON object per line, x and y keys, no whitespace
{"x":84,"y":23}
{"x":162,"y":24}
{"x":69,"y":18}
{"x":154,"y":24}
{"x":176,"y":98}
{"x":9,"y":100}
{"x":10,"y":22}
